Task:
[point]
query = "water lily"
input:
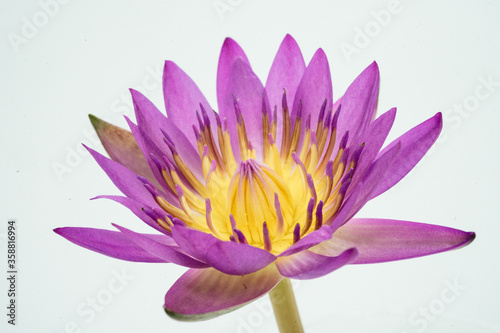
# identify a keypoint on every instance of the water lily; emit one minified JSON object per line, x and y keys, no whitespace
{"x":265,"y":189}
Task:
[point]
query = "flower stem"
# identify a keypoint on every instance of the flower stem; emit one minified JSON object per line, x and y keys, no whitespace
{"x":285,"y":308}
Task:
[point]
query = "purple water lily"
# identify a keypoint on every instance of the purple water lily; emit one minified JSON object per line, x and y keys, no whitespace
{"x":265,"y":188}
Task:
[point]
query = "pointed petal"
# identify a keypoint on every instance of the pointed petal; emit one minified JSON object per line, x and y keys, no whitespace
{"x":359,"y":102}
{"x":124,"y":179}
{"x":309,"y":240}
{"x":238,"y":259}
{"x":315,"y":86}
{"x":110,"y":243}
{"x":309,"y":265}
{"x":381,"y":240}
{"x":286,"y":72}
{"x":151,"y":120}
{"x":414,"y":145}
{"x":373,"y":138}
{"x":183,"y":99}
{"x":121,"y":147}
{"x":202,"y":294}
{"x":228,"y":257}
{"x":229,"y":53}
{"x":137,"y":208}
{"x":248,"y":90}
{"x":361,"y":194}
{"x":161,"y":249}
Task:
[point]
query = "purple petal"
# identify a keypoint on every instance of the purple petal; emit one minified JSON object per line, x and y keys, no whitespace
{"x":238,"y":259}
{"x":285,"y":74}
{"x":308,"y":241}
{"x":122,"y":147}
{"x":151,"y":121}
{"x":202,"y":294}
{"x":309,"y":265}
{"x":361,"y":194}
{"x":110,"y":243}
{"x":359,"y":102}
{"x":248,"y":90}
{"x":228,"y":257}
{"x":124,"y":179}
{"x":229,"y":53}
{"x":373,"y":137}
{"x":161,"y":249}
{"x":380,"y":240}
{"x":315,"y":86}
{"x":137,"y":208}
{"x":414,"y":144}
{"x":183,"y":99}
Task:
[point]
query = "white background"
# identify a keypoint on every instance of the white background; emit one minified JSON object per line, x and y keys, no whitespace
{"x":433,"y":56}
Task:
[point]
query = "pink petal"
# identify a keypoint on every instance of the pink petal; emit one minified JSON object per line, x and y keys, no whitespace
{"x":202,"y":294}
{"x":309,"y":265}
{"x":228,"y":257}
{"x":315,"y":86}
{"x":414,"y":144}
{"x":229,"y":53}
{"x":122,"y":147}
{"x":359,"y":102}
{"x":285,"y":74}
{"x":110,"y":243}
{"x":249,"y":91}
{"x":151,"y":121}
{"x":380,"y":240}
{"x":183,"y":99}
{"x":161,"y":249}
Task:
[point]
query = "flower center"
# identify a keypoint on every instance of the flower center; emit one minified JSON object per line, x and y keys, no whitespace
{"x":269,"y":202}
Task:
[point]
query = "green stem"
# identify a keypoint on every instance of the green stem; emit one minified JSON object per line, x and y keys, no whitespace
{"x":285,"y":308}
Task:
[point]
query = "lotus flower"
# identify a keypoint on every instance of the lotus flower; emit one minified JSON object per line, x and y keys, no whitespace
{"x":265,"y":188}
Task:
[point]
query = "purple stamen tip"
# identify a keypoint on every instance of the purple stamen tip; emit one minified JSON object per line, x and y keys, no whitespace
{"x":310,"y":207}
{"x":178,"y":222}
{"x":237,"y":111}
{"x":208,"y":206}
{"x":328,"y":118}
{"x":204,"y":115}
{"x":200,"y":122}
{"x":299,"y":110}
{"x":157,"y":161}
{"x":144,"y":180}
{"x":319,"y":215}
{"x":206,"y":152}
{"x":178,"y":189}
{"x":322,"y":111}
{"x":347,"y":176}
{"x":336,"y":117}
{"x":169,"y":164}
{"x":241,"y":237}
{"x":284,"y":104}
{"x":264,"y":108}
{"x":233,"y":222}
{"x":343,"y":142}
{"x":308,"y":121}
{"x":329,"y":169}
{"x":357,"y":153}
{"x":217,"y":119}
{"x":267,"y":238}
{"x":271,"y":140}
{"x":196,"y":133}
{"x":313,"y":138}
{"x":149,"y":212}
{"x":151,"y":190}
{"x":232,"y":239}
{"x":344,"y":187}
{"x":296,"y":233}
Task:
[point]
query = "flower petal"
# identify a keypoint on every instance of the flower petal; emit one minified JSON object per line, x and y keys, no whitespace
{"x":361,"y":194}
{"x":309,"y":240}
{"x":373,"y":138}
{"x":110,"y":243}
{"x":315,"y":86}
{"x":121,"y":147}
{"x":183,"y":99}
{"x":359,"y":102}
{"x":151,"y":121}
{"x":286,"y":72}
{"x":137,"y":208}
{"x":229,"y":53}
{"x":124,"y":179}
{"x":238,"y":259}
{"x":228,"y":257}
{"x":202,"y":294}
{"x":381,"y":240}
{"x":414,"y":144}
{"x":309,"y":265}
{"x":161,"y":249}
{"x":249,"y":92}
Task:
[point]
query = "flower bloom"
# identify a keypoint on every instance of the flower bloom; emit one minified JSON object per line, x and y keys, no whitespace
{"x":264,"y":189}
